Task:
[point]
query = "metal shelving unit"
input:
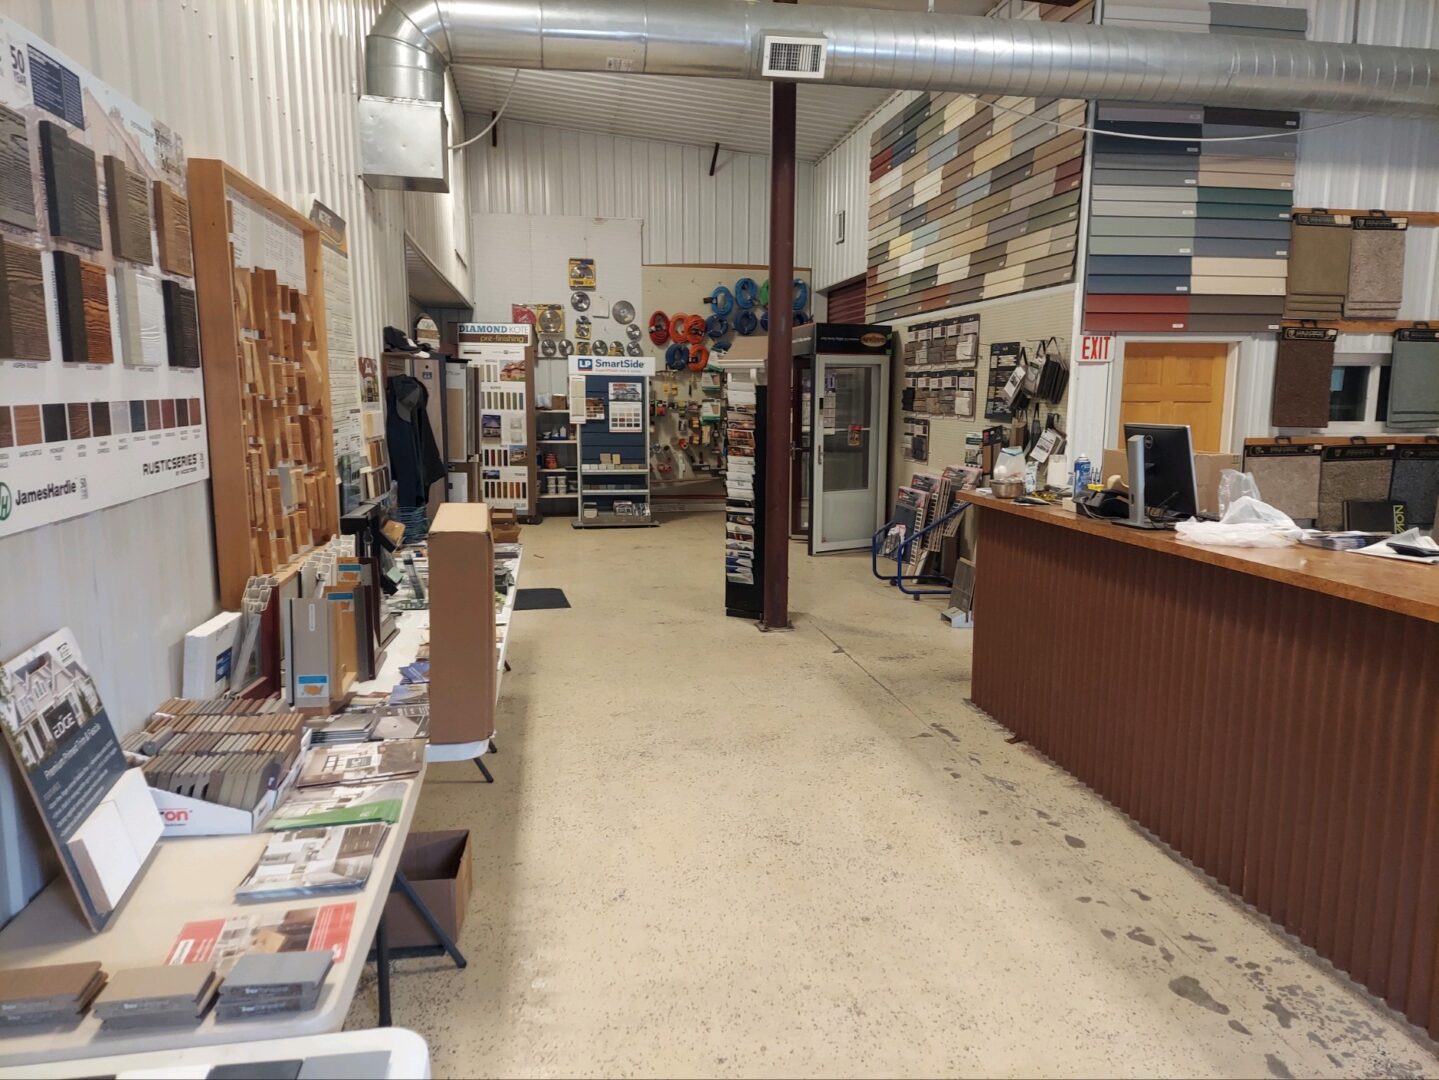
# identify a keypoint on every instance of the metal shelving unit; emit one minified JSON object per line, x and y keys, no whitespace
{"x":566,"y":453}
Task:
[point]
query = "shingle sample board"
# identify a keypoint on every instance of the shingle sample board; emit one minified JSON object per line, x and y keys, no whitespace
{"x":182,"y":331}
{"x":128,"y":205}
{"x":1303,"y":368}
{"x":172,"y":230}
{"x":17,"y":185}
{"x":1218,"y":210}
{"x":72,"y":186}
{"x":973,"y":198}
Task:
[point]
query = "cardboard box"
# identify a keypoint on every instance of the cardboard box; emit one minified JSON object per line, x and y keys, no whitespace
{"x":462,"y":632}
{"x":438,"y":866}
{"x":504,"y":526}
{"x":1207,"y":470}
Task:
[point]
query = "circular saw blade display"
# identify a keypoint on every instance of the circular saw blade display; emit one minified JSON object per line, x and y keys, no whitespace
{"x":623,"y":312}
{"x":550,"y":318}
{"x":580,"y":301}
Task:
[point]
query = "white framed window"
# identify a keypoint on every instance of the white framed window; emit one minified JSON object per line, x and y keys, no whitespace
{"x":1358,"y":394}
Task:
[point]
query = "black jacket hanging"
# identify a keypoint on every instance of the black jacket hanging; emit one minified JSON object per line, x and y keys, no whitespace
{"x":415,"y":461}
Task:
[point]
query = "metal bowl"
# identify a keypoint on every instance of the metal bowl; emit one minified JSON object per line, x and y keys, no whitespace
{"x":1007,"y":489}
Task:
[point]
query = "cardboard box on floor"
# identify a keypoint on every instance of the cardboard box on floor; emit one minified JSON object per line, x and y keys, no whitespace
{"x":438,"y":867}
{"x":1207,"y":468}
{"x":462,"y":624}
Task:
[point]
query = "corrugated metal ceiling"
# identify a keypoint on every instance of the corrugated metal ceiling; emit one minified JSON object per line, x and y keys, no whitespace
{"x":698,"y":111}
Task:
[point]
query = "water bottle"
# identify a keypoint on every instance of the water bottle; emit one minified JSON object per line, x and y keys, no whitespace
{"x":1082,"y":469}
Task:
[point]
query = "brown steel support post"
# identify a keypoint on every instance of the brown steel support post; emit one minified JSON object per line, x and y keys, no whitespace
{"x":779,"y":367}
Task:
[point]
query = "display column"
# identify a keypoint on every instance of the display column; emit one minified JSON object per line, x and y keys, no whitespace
{"x":744,"y":495}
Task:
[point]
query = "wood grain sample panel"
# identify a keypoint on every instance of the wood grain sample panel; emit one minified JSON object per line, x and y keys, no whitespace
{"x":72,"y":186}
{"x":1224,"y":206}
{"x":172,"y":230}
{"x":95,"y":293}
{"x":141,"y":318}
{"x":182,"y":330}
{"x":70,"y":304}
{"x":973,"y":198}
{"x":24,"y":323}
{"x":128,"y":208}
{"x":17,"y":184}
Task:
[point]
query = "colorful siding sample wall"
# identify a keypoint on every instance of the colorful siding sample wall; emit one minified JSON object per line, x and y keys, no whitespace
{"x":1189,"y":235}
{"x":973,"y":198}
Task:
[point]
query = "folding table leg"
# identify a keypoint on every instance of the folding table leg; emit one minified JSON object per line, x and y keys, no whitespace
{"x":382,"y":969}
{"x":481,"y":763}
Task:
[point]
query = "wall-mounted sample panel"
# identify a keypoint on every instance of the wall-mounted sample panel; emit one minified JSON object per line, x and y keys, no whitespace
{"x":24,"y":325}
{"x":973,"y":198}
{"x":260,"y":287}
{"x":172,"y":230}
{"x":182,"y":331}
{"x":128,"y":208}
{"x":1212,"y":201}
{"x":72,"y":186}
{"x":17,"y":192}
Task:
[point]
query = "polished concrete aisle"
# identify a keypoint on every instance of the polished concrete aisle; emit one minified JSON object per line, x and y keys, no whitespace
{"x":711,"y":851}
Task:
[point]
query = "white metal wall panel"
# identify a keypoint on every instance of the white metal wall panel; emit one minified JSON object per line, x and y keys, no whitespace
{"x":689,"y":216}
{"x":841,"y":185}
{"x":269,"y":86}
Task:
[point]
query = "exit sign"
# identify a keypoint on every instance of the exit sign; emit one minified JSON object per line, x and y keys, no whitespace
{"x":1096,"y":349}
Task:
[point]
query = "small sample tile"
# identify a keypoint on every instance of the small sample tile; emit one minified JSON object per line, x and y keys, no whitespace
{"x":72,"y":186}
{"x":95,"y":288}
{"x":56,"y":425}
{"x":167,"y":412}
{"x":24,"y":322}
{"x":17,"y":184}
{"x":195,"y":414}
{"x":128,"y":208}
{"x":99,"y":419}
{"x":182,"y":412}
{"x":172,"y":229}
{"x":29,"y":428}
{"x":78,"y":413}
{"x":182,"y":331}
{"x":153,"y":422}
{"x":120,"y":417}
{"x":138,"y":416}
{"x":70,"y":302}
{"x":7,"y":430}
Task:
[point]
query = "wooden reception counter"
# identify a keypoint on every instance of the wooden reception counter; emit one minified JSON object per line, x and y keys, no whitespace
{"x":1272,"y":714}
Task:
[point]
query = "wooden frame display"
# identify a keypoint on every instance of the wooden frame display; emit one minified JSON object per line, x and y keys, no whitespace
{"x":267,"y":385}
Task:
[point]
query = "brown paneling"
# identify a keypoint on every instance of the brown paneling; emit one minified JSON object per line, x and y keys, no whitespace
{"x":846,"y":303}
{"x":95,"y":290}
{"x":172,"y":230}
{"x":1281,"y":738}
{"x":24,"y":324}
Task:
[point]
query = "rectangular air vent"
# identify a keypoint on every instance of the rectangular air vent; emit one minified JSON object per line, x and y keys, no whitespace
{"x":793,"y":57}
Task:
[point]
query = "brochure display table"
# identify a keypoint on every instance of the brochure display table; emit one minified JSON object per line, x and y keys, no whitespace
{"x":186,"y":881}
{"x":409,"y":1056}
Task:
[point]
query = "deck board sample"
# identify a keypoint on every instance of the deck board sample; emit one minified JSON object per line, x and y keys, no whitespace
{"x":95,"y":290}
{"x":70,"y":303}
{"x":24,"y":322}
{"x":7,"y":431}
{"x":172,"y":230}
{"x":29,"y":429}
{"x":972,"y":198}
{"x":182,"y":331}
{"x":72,"y":186}
{"x":79,"y":417}
{"x":128,"y":208}
{"x":1228,"y":202}
{"x":17,"y":184}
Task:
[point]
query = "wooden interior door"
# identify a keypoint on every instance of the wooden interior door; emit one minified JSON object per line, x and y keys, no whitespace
{"x":1176,"y":383}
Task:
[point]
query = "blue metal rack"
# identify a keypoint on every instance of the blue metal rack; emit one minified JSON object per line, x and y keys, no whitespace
{"x":901,"y":552}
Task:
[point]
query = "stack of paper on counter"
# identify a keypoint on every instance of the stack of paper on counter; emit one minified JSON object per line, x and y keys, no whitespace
{"x":362,"y":764}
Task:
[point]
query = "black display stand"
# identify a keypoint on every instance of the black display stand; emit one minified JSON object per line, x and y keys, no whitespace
{"x":745,"y":600}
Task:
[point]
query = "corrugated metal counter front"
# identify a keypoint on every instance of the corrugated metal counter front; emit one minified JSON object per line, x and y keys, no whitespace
{"x":1270,"y":714}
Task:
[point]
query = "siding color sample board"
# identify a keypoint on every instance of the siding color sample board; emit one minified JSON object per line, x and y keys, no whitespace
{"x":1228,"y":202}
{"x":972,"y":198}
{"x":181,"y":329}
{"x":70,"y":303}
{"x":17,"y":190}
{"x":24,"y":324}
{"x":72,"y":186}
{"x":128,"y":208}
{"x":172,"y":230}
{"x":1302,"y":372}
{"x":95,"y":290}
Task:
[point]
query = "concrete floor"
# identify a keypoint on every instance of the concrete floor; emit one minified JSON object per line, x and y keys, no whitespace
{"x":710,"y":851}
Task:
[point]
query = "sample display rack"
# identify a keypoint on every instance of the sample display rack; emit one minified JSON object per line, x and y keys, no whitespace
{"x":613,"y":453}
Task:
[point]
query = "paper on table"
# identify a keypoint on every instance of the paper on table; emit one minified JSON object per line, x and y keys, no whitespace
{"x":1382,"y":549}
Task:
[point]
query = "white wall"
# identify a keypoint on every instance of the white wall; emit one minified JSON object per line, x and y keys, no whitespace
{"x":689,"y":216}
{"x":269,"y":86}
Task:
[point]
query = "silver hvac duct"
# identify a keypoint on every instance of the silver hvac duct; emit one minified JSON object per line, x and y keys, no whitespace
{"x":414,"y":41}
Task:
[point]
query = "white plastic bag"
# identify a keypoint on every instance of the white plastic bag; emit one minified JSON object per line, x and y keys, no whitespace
{"x":1010,"y":465}
{"x":1248,"y":523}
{"x":1233,"y":485}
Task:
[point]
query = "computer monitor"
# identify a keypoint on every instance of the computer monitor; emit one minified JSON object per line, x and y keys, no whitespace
{"x":1162,"y":484}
